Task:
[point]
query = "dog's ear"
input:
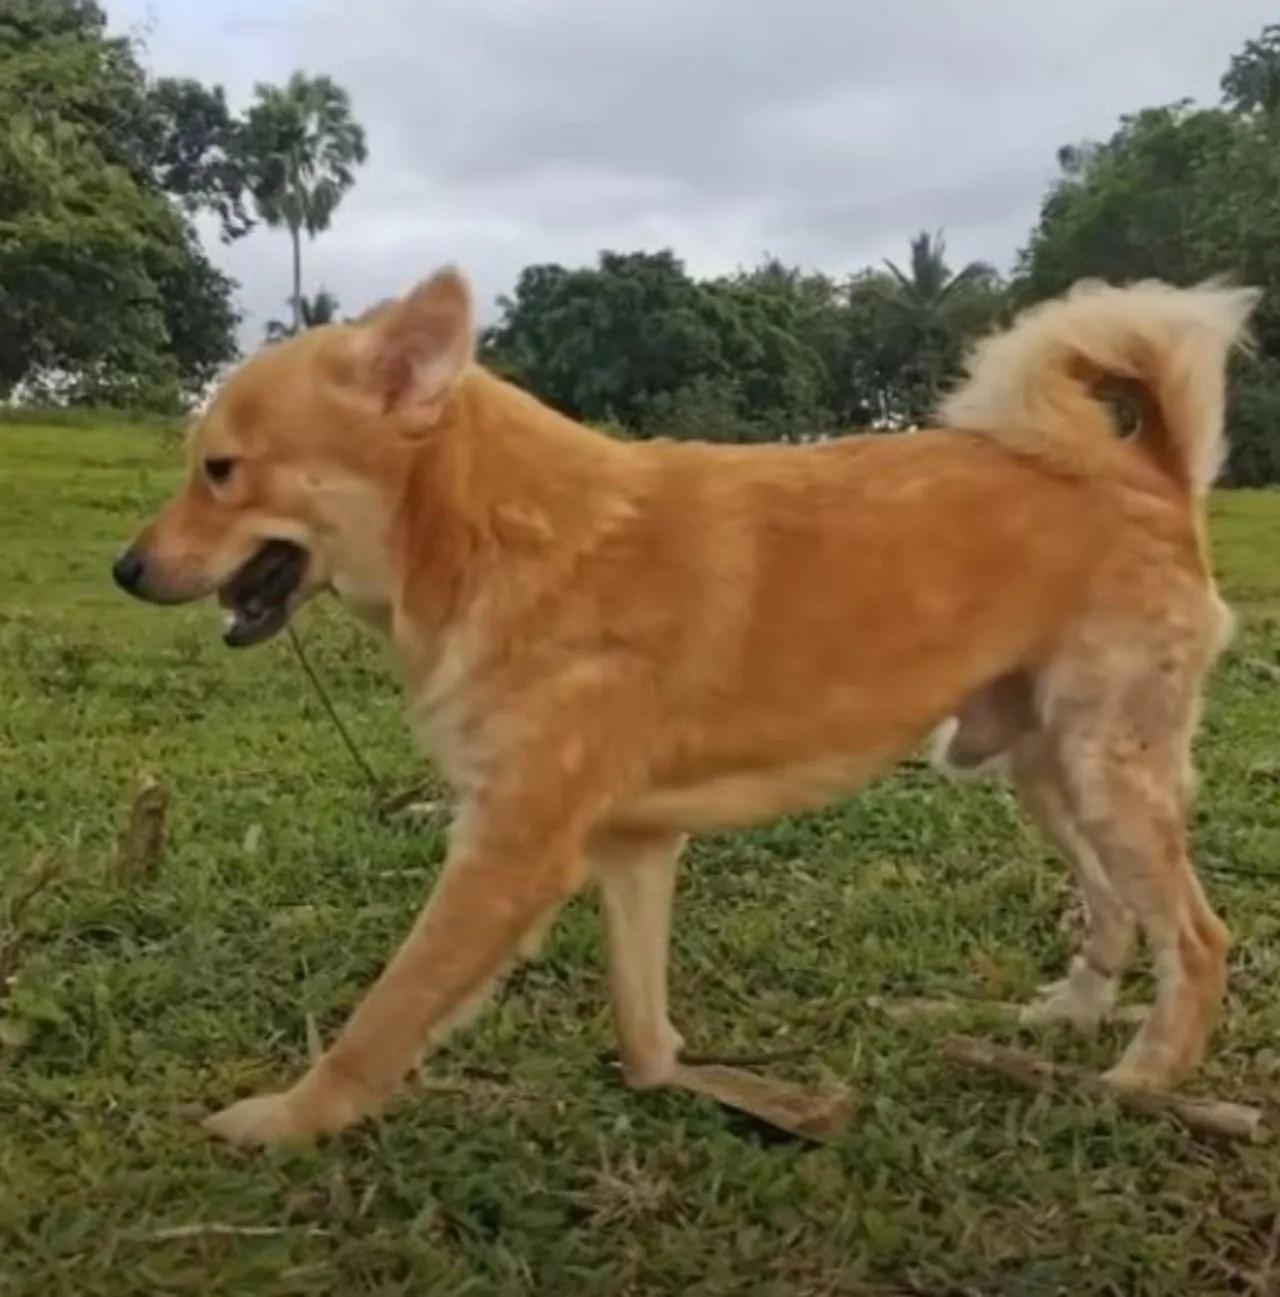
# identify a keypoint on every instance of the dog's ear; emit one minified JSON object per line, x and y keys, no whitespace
{"x":416,"y":349}
{"x":378,"y":311}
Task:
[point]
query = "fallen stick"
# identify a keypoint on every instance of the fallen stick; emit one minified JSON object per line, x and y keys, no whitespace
{"x":818,"y":1113}
{"x":1218,"y":1117}
{"x":415,"y":800}
{"x":217,"y":1229}
{"x":910,"y":1008}
{"x":142,"y":842}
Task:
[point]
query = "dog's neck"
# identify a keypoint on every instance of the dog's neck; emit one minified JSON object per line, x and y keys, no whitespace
{"x":471,"y":507}
{"x":503,"y":490}
{"x":353,"y":519}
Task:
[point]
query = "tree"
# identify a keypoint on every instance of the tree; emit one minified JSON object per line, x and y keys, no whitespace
{"x":1138,"y":204}
{"x":777,"y":328}
{"x":196,"y":151}
{"x":171,"y":134}
{"x":928,"y":285}
{"x":766,"y":353}
{"x":104,"y":289}
{"x":317,"y":310}
{"x":934,"y":310}
{"x":1251,"y":83}
{"x":606,"y":342}
{"x":1181,"y":193}
{"x":301,"y":146}
{"x":872,"y":387}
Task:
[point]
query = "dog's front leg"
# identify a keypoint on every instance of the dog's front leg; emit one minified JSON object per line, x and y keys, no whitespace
{"x":636,"y":874}
{"x":502,"y":880}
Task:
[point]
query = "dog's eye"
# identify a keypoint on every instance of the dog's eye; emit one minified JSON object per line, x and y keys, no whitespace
{"x":218,"y":470}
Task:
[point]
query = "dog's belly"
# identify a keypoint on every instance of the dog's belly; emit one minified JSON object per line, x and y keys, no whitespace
{"x":733,"y":800}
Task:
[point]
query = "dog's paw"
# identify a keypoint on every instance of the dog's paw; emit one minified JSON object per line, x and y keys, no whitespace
{"x":1083,"y":999}
{"x":1062,"y":1002}
{"x":263,"y":1121}
{"x":1150,"y":1063}
{"x":1134,"y":1077}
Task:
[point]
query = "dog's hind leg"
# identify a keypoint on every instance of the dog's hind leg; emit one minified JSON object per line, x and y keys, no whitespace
{"x":1120,"y":731}
{"x":1088,"y":992}
{"x":636,"y":875}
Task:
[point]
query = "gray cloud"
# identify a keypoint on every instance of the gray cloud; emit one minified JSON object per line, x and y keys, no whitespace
{"x":504,"y":132}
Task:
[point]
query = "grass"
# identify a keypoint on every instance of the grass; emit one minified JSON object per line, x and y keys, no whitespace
{"x":529,"y":1170}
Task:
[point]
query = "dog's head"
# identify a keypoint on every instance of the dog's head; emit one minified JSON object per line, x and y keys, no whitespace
{"x":292,"y":468}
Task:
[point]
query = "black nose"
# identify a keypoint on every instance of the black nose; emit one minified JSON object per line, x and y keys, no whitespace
{"x":127,"y":571}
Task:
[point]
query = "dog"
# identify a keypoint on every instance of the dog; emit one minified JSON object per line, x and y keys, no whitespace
{"x":607,"y":646}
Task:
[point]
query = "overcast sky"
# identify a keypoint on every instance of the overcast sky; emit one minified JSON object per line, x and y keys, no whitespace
{"x":504,"y":132}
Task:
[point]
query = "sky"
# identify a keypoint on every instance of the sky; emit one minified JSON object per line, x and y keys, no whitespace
{"x":826,"y":132}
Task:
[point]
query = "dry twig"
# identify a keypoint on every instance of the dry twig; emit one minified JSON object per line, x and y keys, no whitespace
{"x":219,"y":1229}
{"x":1218,"y":1117}
{"x":142,"y":841}
{"x":912,"y":1008}
{"x":819,"y":1113}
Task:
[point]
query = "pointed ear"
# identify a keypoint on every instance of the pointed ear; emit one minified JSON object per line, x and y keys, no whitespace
{"x":418,"y":347}
{"x":377,"y":311}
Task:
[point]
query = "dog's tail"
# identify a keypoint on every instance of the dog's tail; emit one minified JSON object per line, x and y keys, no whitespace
{"x":1037,"y":383}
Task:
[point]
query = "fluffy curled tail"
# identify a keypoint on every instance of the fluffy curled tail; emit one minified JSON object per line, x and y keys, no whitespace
{"x":1037,"y":382}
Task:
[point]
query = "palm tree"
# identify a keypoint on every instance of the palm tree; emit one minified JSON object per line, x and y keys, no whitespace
{"x":931,"y":303}
{"x":311,"y":312}
{"x":303,"y":146}
{"x":926,"y":289}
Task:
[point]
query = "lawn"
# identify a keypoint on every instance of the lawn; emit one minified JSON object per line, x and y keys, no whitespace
{"x":524,"y":1167}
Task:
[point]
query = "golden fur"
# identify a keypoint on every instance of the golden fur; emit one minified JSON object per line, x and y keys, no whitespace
{"x":609,"y":645}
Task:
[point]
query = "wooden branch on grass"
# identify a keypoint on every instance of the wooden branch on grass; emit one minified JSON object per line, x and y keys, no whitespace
{"x":142,"y":842}
{"x":817,"y":1113}
{"x":1218,"y":1117}
{"x":911,"y":1008}
{"x":220,"y":1229}
{"x":415,"y":801}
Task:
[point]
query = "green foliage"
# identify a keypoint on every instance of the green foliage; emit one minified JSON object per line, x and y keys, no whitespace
{"x":771,"y":352}
{"x":932,"y":313}
{"x":1255,"y":422}
{"x":605,"y":342}
{"x":1179,"y":192}
{"x":1140,"y":204}
{"x":1251,"y":83}
{"x":1182,"y":192}
{"x":706,"y":408}
{"x":106,"y":294}
{"x":197,"y":152}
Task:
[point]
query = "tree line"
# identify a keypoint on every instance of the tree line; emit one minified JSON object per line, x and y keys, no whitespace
{"x":107,"y":295}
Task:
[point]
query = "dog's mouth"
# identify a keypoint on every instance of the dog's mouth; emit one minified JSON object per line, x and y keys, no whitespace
{"x":261,"y":597}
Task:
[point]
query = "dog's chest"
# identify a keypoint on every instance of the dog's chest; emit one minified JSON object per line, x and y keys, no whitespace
{"x":441,"y":713}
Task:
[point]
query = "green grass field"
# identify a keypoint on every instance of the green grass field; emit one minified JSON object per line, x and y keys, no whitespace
{"x":526,"y":1168}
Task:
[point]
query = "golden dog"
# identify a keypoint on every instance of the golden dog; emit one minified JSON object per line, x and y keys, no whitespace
{"x":607,"y":645}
